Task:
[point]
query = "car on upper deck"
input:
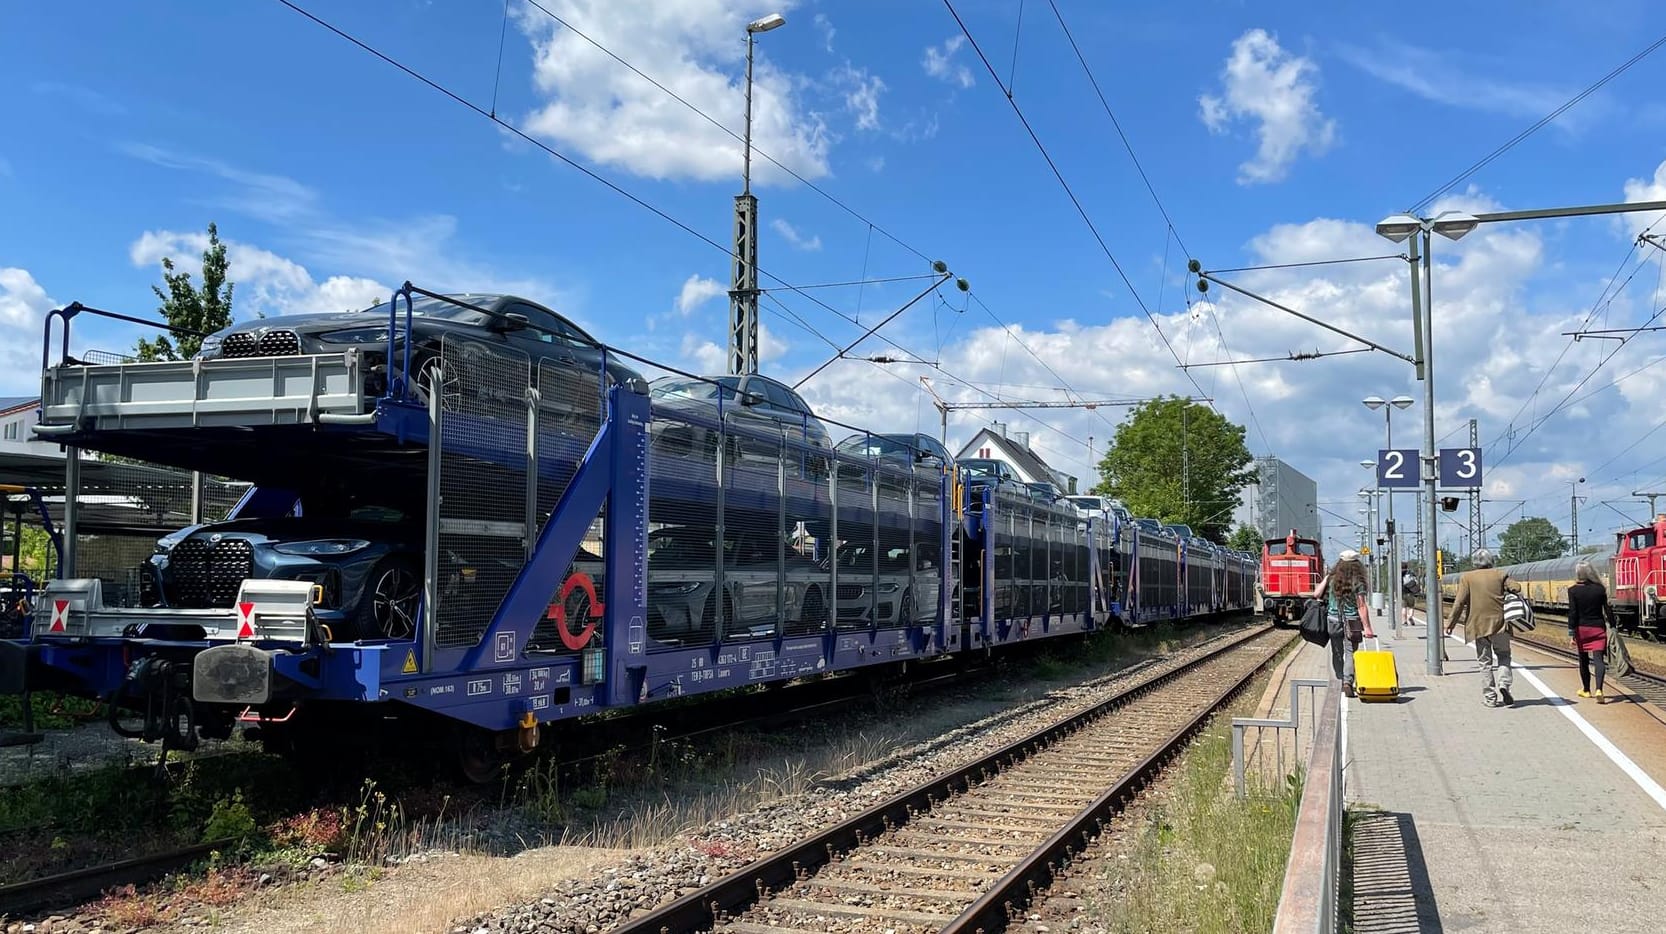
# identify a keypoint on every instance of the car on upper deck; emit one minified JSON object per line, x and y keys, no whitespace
{"x":508,"y":321}
{"x":913,"y":450}
{"x":752,"y":402}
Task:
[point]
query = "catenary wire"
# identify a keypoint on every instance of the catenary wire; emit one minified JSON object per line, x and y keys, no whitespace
{"x":1535,"y":127}
{"x":872,"y":226}
{"x":608,"y":183}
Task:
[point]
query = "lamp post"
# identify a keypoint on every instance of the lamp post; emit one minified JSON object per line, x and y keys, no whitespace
{"x":1398,"y":402}
{"x":743,"y":282}
{"x":1454,"y":225}
{"x":1399,"y":228}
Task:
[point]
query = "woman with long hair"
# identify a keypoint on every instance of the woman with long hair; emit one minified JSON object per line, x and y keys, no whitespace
{"x":1344,"y":590}
{"x":1589,"y":616}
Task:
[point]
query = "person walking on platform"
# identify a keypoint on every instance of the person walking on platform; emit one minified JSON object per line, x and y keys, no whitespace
{"x":1408,"y":593}
{"x":1479,"y":605}
{"x":1344,"y":590}
{"x":1589,"y":617}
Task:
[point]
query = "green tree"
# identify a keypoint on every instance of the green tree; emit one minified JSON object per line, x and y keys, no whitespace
{"x":1530,"y":539}
{"x":1178,"y":461}
{"x":205,"y":308}
{"x":1246,"y":539}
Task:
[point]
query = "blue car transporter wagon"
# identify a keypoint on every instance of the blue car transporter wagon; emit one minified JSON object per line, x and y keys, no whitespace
{"x":567,"y":562}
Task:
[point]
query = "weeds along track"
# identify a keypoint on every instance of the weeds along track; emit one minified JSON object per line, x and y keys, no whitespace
{"x":965,"y":849}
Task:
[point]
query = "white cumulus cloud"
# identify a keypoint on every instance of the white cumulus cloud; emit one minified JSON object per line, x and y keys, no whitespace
{"x":790,"y":234}
{"x":264,"y":281}
{"x":696,"y":291}
{"x":1263,"y":83}
{"x":23,"y":307}
{"x":611,"y":116}
{"x":939,"y":62}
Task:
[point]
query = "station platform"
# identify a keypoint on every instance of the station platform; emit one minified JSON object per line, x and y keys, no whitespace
{"x":1548,"y":816}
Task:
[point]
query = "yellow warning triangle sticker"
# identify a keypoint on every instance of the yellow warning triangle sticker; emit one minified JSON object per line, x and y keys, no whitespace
{"x":410,"y":662}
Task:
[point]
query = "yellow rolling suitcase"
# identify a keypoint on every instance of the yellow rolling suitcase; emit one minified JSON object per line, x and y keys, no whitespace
{"x":1375,"y":678}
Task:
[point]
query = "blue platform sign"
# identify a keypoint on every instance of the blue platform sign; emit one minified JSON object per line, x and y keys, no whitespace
{"x":1397,"y":469}
{"x":1460,"y":467}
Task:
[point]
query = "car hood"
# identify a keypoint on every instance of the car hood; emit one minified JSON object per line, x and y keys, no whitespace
{"x":316,"y":323}
{"x":301,"y":529}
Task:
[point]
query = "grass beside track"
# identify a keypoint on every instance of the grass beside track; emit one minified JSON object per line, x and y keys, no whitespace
{"x":1201,"y":860}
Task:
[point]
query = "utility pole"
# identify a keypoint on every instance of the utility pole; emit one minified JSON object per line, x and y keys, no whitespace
{"x":1573,"y":498}
{"x":1477,"y":537}
{"x":743,"y":280}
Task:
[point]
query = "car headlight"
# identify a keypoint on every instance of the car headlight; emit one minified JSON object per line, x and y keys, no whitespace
{"x":167,"y":543}
{"x":327,"y":546}
{"x":365,"y":335}
{"x":681,"y":589}
{"x":209,"y":348}
{"x":888,"y":587}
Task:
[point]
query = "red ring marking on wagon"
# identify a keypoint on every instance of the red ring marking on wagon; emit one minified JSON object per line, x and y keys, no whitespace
{"x":558,"y":611}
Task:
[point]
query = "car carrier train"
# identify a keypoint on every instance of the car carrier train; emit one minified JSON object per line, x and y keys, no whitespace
{"x":465,"y":513}
{"x":1634,"y":574}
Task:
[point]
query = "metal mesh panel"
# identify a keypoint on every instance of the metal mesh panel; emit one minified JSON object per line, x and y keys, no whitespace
{"x":683,"y":497}
{"x":125,"y":506}
{"x":483,"y":484}
{"x":808,"y":507}
{"x":897,"y":595}
{"x":753,"y":552}
{"x":928,"y":548}
{"x":858,"y":570}
{"x":569,"y":414}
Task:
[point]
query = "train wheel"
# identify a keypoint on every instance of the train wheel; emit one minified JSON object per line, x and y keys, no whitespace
{"x":477,"y":756}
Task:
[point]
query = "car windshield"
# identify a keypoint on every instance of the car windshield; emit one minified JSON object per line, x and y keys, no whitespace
{"x":876,"y":446}
{"x":424,"y":307}
{"x":980,"y":468}
{"x":704,"y":390}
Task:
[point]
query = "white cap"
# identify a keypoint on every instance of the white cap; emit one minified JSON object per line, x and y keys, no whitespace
{"x":1349,"y":555}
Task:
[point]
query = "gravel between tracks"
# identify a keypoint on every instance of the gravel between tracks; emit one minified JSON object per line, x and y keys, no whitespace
{"x":655,"y":876}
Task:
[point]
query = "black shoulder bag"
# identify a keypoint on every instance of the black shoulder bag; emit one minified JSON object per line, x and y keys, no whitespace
{"x":1315,"y":628}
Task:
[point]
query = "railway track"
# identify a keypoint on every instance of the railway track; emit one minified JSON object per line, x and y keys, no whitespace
{"x":1647,"y":684}
{"x":81,"y":885}
{"x":964,"y":850}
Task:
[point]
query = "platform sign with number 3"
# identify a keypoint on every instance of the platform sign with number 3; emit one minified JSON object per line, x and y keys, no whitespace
{"x":1460,"y":467}
{"x":1397,"y":468}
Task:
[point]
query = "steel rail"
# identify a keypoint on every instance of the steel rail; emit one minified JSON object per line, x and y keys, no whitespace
{"x":81,"y":885}
{"x":1015,"y":890}
{"x":702,"y":909}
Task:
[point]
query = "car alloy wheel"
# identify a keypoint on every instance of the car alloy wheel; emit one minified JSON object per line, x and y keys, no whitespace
{"x":395,"y":592}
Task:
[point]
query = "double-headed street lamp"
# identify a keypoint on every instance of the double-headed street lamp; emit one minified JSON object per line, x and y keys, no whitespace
{"x":1454,"y":225}
{"x":743,"y":282}
{"x":1393,"y":586}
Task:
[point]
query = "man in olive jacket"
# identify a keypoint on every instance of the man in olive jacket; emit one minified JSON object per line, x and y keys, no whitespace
{"x":1479,"y":605}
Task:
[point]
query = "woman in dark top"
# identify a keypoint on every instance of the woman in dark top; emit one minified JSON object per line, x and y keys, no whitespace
{"x":1588,"y":617}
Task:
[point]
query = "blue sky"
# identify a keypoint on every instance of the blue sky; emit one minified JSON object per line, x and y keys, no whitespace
{"x":1271,"y":132}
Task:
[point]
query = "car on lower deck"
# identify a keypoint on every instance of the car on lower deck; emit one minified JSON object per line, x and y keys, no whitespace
{"x":363,"y":554}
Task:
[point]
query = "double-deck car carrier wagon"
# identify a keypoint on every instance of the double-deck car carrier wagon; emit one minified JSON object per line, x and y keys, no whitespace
{"x":465,"y":512}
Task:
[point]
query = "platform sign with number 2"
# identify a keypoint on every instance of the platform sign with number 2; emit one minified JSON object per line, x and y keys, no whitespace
{"x":1397,"y":468}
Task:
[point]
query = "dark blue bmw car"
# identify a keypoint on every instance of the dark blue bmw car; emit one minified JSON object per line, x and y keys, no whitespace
{"x":363,"y":553}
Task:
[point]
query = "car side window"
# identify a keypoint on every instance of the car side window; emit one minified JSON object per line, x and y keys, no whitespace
{"x":547,"y":327}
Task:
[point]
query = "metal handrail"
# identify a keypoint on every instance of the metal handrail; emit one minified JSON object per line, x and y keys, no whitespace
{"x":1241,"y":725}
{"x":1309,"y":902}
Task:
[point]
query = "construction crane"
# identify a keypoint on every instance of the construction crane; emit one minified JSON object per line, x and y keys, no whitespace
{"x":944,"y":406}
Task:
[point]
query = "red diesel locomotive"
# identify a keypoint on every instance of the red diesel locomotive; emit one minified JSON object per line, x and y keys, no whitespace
{"x":1291,"y":568}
